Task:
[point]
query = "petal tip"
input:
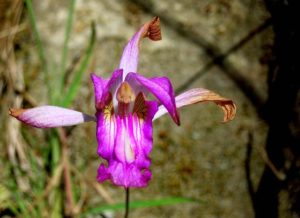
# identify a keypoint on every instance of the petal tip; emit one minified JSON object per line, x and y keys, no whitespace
{"x":16,"y":112}
{"x":229,"y":109}
{"x":176,"y":119}
{"x":93,"y":76}
{"x":153,"y":30}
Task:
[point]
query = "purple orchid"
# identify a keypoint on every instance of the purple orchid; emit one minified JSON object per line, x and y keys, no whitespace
{"x":124,"y":116}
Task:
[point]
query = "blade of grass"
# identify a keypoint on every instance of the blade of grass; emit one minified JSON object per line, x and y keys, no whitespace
{"x":14,"y":210}
{"x":22,"y":206}
{"x":38,"y":185}
{"x":4,"y":196}
{"x":57,"y":210}
{"x":28,"y":137}
{"x":140,"y":204}
{"x":65,"y":45}
{"x":72,"y":90}
{"x":12,"y":203}
{"x":55,"y":150}
{"x":41,"y":51}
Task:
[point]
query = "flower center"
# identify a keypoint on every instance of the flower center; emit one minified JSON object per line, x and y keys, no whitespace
{"x":125,"y":96}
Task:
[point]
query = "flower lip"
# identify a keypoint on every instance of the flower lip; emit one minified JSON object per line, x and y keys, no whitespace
{"x":125,"y":142}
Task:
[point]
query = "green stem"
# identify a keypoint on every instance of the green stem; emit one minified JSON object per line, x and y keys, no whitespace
{"x":126,"y":203}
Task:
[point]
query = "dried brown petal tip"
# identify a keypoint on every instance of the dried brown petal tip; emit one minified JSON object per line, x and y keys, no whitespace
{"x":152,"y":29}
{"x":154,"y":32}
{"x":16,"y":112}
{"x":229,"y":109}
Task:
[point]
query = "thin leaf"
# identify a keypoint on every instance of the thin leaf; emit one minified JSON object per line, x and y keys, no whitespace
{"x":22,"y":207}
{"x":56,"y":211}
{"x":41,"y":51}
{"x":55,"y":150}
{"x":66,"y":42}
{"x":72,"y":90}
{"x":141,"y":204}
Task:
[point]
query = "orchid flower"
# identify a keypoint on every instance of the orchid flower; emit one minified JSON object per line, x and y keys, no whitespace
{"x":124,"y":115}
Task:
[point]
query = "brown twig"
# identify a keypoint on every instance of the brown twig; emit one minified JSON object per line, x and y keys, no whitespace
{"x":106,"y":196}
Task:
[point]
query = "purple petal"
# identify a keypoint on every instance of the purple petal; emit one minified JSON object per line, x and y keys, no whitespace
{"x":125,"y":142}
{"x":99,"y":85}
{"x":50,"y":116}
{"x":126,"y":175}
{"x":160,"y":87}
{"x":198,"y":95}
{"x":129,"y":60}
{"x":143,"y":134}
{"x":106,"y":134}
{"x":102,"y":87}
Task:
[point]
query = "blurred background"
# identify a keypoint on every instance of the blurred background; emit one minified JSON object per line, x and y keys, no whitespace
{"x":244,"y":50}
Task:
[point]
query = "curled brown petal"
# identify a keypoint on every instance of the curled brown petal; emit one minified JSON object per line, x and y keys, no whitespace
{"x":152,"y":29}
{"x":197,"y":95}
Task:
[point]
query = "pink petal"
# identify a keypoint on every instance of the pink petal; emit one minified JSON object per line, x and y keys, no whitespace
{"x":99,"y":85}
{"x":102,"y":88}
{"x":198,"y":95}
{"x":129,"y":60}
{"x":106,"y":134}
{"x":125,"y":142}
{"x":160,"y":87}
{"x":50,"y":116}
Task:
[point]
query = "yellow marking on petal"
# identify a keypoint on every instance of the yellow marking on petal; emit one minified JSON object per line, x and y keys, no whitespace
{"x":108,"y":108}
{"x":140,"y":107}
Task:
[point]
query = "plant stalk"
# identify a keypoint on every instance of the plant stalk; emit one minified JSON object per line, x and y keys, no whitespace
{"x":126,"y":203}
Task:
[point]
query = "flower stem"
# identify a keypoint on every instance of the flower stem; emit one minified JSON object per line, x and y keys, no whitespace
{"x":126,"y":203}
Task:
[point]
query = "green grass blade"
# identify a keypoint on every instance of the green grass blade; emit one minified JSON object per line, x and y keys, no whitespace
{"x":56,"y":211}
{"x":141,"y":204}
{"x":66,"y":42}
{"x":72,"y":90}
{"x":55,"y":150}
{"x":41,"y":51}
{"x":22,"y":207}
